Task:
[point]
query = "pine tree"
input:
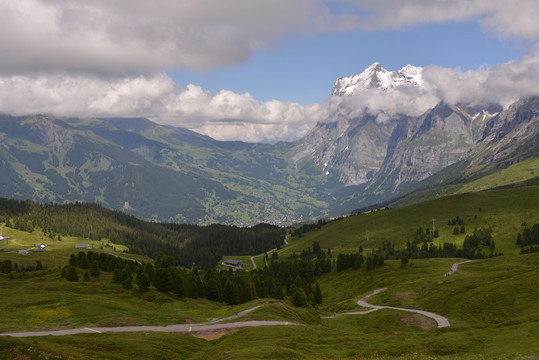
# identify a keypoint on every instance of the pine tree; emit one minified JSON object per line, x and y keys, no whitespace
{"x":299,"y":298}
{"x":72,"y":274}
{"x":192,"y":287}
{"x":179,"y":286}
{"x":127,"y":283}
{"x":86,"y":276}
{"x":162,"y":280}
{"x":84,"y":263}
{"x":73,"y":260}
{"x":117,"y":275}
{"x":94,"y":269}
{"x":231,"y":293}
{"x":143,"y":281}
{"x":317,"y":294}
{"x":150,"y":270}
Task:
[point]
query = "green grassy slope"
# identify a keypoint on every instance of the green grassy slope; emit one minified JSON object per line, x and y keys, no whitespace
{"x":504,"y":210}
{"x":57,"y":251}
{"x":490,"y":303}
{"x":520,"y":172}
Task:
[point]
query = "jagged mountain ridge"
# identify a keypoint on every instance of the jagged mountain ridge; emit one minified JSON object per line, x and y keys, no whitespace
{"x":375,"y":76}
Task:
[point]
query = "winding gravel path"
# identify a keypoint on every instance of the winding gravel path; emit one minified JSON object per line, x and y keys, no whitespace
{"x":181,"y":328}
{"x":455,"y":267}
{"x":440,"y":320}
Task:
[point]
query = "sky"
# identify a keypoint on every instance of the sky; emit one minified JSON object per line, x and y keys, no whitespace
{"x":258,"y":70}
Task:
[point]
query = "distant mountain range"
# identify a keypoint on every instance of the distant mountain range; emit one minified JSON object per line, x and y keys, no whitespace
{"x":170,"y":174}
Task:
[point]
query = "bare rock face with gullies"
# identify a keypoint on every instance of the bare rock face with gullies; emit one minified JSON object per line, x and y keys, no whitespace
{"x":46,"y":131}
{"x":352,"y":149}
{"x":385,"y":156}
{"x":515,"y":130}
{"x":421,"y":146}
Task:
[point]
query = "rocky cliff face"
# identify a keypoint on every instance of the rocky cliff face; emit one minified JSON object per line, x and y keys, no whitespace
{"x":421,"y":146}
{"x":513,"y":131}
{"x":351,"y":149}
{"x":384,"y":157}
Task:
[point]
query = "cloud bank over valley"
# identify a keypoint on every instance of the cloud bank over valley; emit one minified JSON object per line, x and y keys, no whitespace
{"x":109,"y":58}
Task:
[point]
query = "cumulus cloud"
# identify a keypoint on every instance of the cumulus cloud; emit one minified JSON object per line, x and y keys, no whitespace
{"x":502,"y":84}
{"x":86,"y":59}
{"x":505,"y":19}
{"x":125,"y":37}
{"x":388,"y":103}
{"x":224,"y":115}
{"x":128,"y":37}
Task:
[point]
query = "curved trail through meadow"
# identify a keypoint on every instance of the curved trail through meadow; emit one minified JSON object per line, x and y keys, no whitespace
{"x":180,"y":328}
{"x":440,"y":320}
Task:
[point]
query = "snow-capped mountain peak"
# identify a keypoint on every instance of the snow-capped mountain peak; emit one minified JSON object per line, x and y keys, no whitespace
{"x":375,"y":76}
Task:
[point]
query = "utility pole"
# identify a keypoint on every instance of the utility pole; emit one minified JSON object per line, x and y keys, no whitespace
{"x":367,"y":232}
{"x":433,"y":220}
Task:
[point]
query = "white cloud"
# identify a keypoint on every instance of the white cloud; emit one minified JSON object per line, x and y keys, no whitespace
{"x":388,"y":103}
{"x":505,"y":19}
{"x":224,"y":115}
{"x":125,"y":37}
{"x":502,"y":84}
{"x":85,"y":59}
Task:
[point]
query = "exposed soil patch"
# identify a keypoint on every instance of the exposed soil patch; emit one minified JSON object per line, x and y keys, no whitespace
{"x":189,"y":320}
{"x":212,"y":335}
{"x":419,"y":320}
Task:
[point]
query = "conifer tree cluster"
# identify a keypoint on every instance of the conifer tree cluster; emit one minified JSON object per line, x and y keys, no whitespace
{"x":7,"y":267}
{"x":528,"y":240}
{"x":204,"y":245}
{"x":279,"y":280}
{"x":356,"y":260}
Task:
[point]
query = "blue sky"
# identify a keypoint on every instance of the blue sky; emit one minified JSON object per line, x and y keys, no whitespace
{"x":257,"y":70}
{"x":304,"y":68}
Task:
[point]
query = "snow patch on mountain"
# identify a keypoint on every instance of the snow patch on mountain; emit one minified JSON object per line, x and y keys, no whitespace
{"x":375,"y":76}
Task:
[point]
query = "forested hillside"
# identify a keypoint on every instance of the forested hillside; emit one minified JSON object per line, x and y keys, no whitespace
{"x":203,"y":245}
